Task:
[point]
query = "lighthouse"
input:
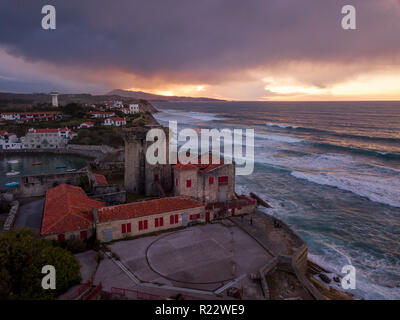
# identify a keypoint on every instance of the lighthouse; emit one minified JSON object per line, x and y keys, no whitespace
{"x":54,"y":99}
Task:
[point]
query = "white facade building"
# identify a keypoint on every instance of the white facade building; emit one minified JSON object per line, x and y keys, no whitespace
{"x":9,"y":141}
{"x":115,"y":121}
{"x":47,"y":138}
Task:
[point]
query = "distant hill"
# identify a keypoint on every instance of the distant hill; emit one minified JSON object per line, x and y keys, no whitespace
{"x":156,"y":97}
{"x":23,"y":102}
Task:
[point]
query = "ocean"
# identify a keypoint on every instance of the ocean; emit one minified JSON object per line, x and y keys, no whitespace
{"x":331,"y":170}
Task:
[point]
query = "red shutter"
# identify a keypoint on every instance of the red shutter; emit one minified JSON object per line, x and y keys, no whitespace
{"x":156,"y":222}
{"x":176,"y":218}
{"x":61,"y":237}
{"x":140,"y":225}
{"x":145,"y":224}
{"x":161,"y":221}
{"x":176,"y":181}
{"x":171,"y":219}
{"x":188,"y":183}
{"x":211,"y":180}
{"x":123,"y":227}
{"x":156,"y":177}
{"x":223,"y":180}
{"x":128,"y":227}
{"x":83,"y":235}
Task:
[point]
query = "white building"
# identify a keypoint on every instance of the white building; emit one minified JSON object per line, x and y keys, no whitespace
{"x":47,"y":138}
{"x":101,"y":114}
{"x":54,"y":99}
{"x":115,"y":121}
{"x":133,"y":108}
{"x":86,"y":125}
{"x":118,"y":104}
{"x":9,"y":141}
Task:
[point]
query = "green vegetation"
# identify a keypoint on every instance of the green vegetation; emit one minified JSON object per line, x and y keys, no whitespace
{"x":74,"y":110}
{"x":110,"y":136}
{"x":22,"y":257}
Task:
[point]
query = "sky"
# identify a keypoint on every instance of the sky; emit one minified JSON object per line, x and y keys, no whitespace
{"x":228,"y":49}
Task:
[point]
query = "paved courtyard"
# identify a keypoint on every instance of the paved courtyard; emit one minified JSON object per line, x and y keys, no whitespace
{"x":30,"y":215}
{"x":203,"y":257}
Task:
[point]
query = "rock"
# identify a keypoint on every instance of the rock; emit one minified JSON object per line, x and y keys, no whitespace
{"x":324,"y":278}
{"x":336,"y":279}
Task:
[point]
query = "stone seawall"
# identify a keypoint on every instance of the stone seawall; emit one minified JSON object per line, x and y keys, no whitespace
{"x":12,"y":215}
{"x":288,"y":250}
{"x":66,"y":151}
{"x":37,"y":185}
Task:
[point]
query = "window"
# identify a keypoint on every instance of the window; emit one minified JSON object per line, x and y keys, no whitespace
{"x":158,"y":222}
{"x":211,"y":180}
{"x":143,"y":225}
{"x":155,"y":177}
{"x":126,"y":228}
{"x":188,"y":183}
{"x":174,"y":219}
{"x":223,"y":180}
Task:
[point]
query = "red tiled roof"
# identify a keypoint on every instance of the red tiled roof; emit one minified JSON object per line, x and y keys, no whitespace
{"x":67,"y":208}
{"x":100,"y":179}
{"x":47,"y":130}
{"x":5,"y":133}
{"x":201,"y":167}
{"x":100,"y":112}
{"x":116,"y":119}
{"x":146,"y":208}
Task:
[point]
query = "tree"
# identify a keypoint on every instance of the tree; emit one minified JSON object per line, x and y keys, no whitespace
{"x":22,"y":257}
{"x":74,"y":109}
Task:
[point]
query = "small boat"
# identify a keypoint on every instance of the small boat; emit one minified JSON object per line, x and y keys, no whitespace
{"x":13,"y":161}
{"x":61,"y":167}
{"x":37,"y":163}
{"x":12,"y":173}
{"x":71,"y":170}
{"x":12,"y":184}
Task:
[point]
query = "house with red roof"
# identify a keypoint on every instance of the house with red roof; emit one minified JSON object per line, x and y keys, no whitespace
{"x":68,"y":214}
{"x":115,"y":121}
{"x":86,"y":125}
{"x":212,"y":183}
{"x":22,"y":117}
{"x":9,"y":140}
{"x":207,"y":182}
{"x":101,"y":114}
{"x":138,"y":218}
{"x":100,"y":180}
{"x":52,"y":138}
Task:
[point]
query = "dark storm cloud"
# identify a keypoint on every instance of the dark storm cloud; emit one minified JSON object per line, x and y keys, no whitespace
{"x":207,"y":40}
